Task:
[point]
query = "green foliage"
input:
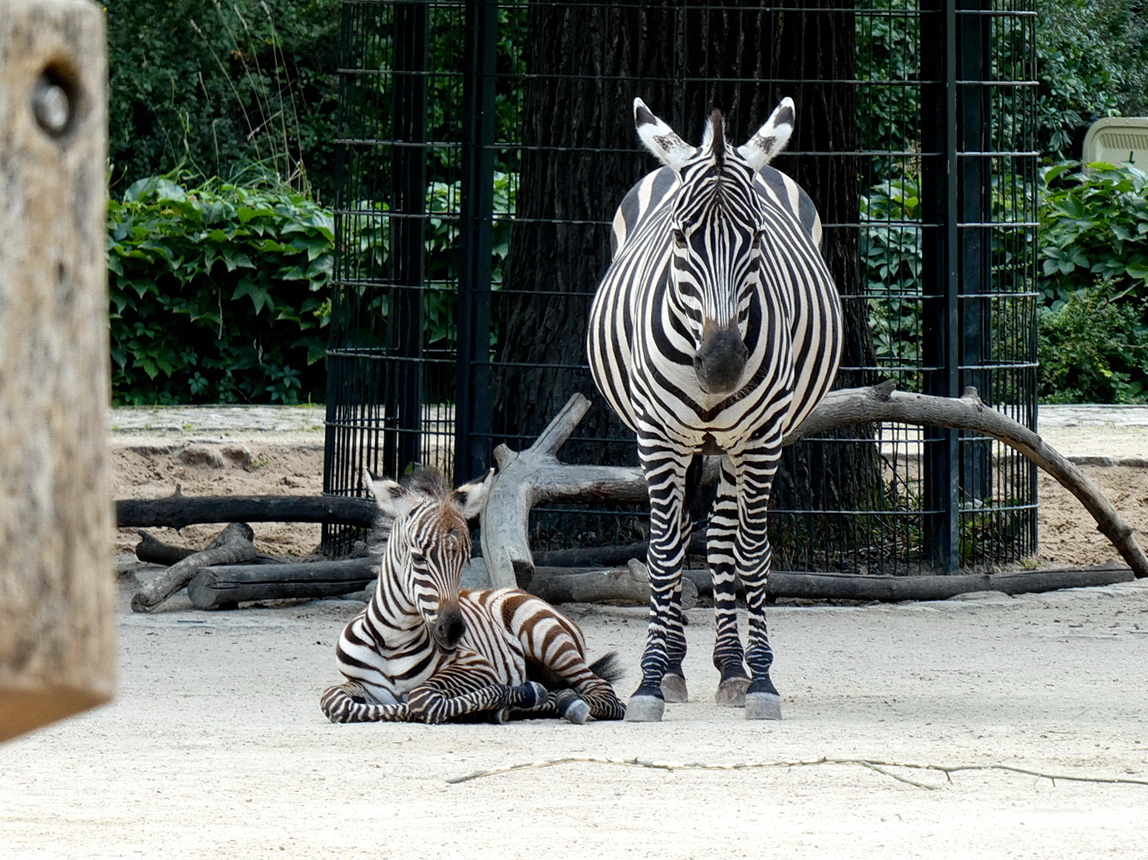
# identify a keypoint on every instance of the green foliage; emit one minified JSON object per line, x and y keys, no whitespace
{"x":891,"y":265}
{"x":1093,"y":62}
{"x":1094,"y":348}
{"x":218,"y":293}
{"x":1094,"y":284}
{"x":1093,"y":227}
{"x":210,"y":87}
{"x":369,"y":254}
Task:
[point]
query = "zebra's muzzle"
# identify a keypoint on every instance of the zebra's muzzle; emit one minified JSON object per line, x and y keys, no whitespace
{"x":720,"y":360}
{"x":448,"y":629}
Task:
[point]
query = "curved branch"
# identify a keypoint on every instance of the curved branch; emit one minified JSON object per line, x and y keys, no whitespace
{"x":535,"y":475}
{"x":968,"y":412}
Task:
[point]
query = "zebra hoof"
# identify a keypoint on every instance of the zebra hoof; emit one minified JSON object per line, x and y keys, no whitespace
{"x":576,"y":711}
{"x":731,"y":692}
{"x":763,"y":706}
{"x":645,"y":709}
{"x":533,"y":694}
{"x":674,"y":689}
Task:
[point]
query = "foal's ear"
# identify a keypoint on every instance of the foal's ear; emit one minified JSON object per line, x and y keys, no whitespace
{"x":471,"y":498}
{"x":392,"y":497}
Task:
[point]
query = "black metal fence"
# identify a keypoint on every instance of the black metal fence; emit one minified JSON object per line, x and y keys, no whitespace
{"x":917,"y":147}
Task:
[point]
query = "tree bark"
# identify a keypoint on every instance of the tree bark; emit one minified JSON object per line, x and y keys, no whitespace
{"x":628,"y":586}
{"x":152,"y":550}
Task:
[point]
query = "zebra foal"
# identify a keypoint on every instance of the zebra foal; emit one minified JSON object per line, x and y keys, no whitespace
{"x":716,"y":329}
{"x":422,"y":651}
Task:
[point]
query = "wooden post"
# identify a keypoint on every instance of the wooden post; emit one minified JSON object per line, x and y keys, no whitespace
{"x":57,"y":586}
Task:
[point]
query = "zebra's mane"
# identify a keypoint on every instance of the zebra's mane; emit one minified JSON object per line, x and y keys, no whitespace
{"x":428,"y":481}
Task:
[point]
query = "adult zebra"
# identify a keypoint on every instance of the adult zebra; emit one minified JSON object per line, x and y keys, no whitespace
{"x":422,"y":651}
{"x":716,"y":329}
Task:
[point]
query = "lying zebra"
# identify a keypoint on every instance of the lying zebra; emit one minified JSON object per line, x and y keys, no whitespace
{"x":422,"y":651}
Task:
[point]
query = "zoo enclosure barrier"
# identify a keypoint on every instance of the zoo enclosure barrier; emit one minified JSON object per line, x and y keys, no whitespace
{"x":484,"y":147}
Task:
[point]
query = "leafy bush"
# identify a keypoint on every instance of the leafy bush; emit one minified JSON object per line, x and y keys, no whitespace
{"x":218,"y":293}
{"x":1094,"y":348}
{"x":1094,"y":227}
{"x":1094,"y":283}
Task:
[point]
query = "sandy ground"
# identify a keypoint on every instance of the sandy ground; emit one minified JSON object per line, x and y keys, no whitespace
{"x":215,"y":746}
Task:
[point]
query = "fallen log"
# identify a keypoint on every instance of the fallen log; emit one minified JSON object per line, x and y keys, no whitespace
{"x":233,"y":545}
{"x":222,"y":587}
{"x":563,"y":585}
{"x":152,"y":550}
{"x":177,"y":510}
{"x":535,"y":475}
{"x":628,"y":586}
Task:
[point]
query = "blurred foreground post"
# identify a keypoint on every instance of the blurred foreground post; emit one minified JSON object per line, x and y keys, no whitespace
{"x":57,"y":635}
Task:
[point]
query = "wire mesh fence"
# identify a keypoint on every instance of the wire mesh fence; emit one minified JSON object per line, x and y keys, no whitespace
{"x":484,"y":147}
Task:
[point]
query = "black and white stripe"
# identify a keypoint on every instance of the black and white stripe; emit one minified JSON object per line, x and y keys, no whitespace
{"x":424,"y":651}
{"x":716,"y":329}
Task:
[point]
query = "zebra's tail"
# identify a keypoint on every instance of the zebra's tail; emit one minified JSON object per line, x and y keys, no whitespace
{"x":608,"y":667}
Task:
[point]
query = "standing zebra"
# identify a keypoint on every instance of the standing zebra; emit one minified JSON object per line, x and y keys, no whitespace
{"x":717,"y":328}
{"x":421,"y":651}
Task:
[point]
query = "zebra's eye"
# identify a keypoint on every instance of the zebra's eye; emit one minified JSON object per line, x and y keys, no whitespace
{"x":418,"y":558}
{"x":679,"y":238}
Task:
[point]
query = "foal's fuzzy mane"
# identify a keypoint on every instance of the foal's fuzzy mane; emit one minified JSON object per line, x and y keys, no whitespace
{"x":428,"y":481}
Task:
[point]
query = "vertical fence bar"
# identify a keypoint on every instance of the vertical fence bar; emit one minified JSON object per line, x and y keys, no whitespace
{"x":472,"y":403}
{"x":940,"y":274}
{"x":403,"y":393}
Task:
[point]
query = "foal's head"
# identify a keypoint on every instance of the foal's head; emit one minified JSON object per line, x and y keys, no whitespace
{"x":429,"y":544}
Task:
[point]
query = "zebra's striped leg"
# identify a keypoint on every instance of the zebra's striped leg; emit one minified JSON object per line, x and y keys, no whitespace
{"x":665,"y":471}
{"x":351,"y":702}
{"x":728,"y":657}
{"x":753,"y":554}
{"x":674,"y":681}
{"x":429,"y":703}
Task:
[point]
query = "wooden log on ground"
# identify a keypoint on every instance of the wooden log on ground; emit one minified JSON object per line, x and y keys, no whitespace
{"x":152,"y":550}
{"x":628,"y":586}
{"x":57,"y":586}
{"x":177,"y":511}
{"x":233,"y":545}
{"x":841,"y":586}
{"x":219,"y":587}
{"x":535,"y":475}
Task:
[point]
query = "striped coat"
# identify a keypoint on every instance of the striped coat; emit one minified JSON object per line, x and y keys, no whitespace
{"x":716,"y":329}
{"x":424,"y":651}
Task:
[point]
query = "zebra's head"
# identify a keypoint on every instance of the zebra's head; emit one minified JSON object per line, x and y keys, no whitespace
{"x":715,"y":231}
{"x":428,"y":545}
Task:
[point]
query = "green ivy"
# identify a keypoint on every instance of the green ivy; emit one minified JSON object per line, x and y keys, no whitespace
{"x":218,"y":293}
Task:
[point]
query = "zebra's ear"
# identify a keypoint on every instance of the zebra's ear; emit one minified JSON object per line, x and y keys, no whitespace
{"x":771,"y":137}
{"x":660,"y":139}
{"x":471,"y":498}
{"x":390,"y":496}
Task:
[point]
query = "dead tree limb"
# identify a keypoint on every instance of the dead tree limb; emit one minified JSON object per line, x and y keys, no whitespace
{"x":152,"y":550}
{"x":177,"y":511}
{"x":233,"y":545}
{"x":220,"y":586}
{"x":535,"y":475}
{"x":628,"y":586}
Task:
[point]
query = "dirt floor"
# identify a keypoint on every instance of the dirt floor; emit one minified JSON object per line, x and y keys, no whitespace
{"x":215,"y":746}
